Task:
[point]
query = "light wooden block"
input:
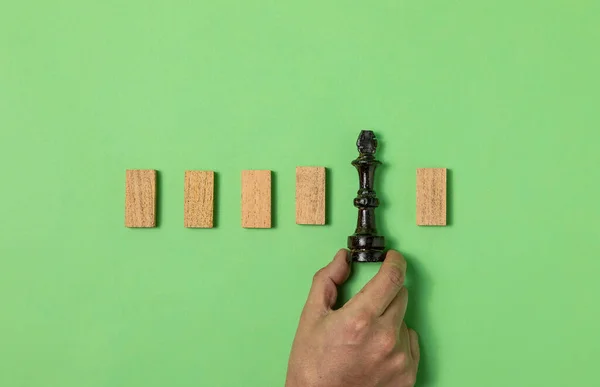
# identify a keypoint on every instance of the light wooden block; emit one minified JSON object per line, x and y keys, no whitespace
{"x":431,"y":196}
{"x":310,"y":195}
{"x":199,"y":199}
{"x":140,"y":198}
{"x":256,"y":199}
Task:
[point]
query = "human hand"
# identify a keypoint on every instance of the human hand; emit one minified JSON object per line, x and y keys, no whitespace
{"x":365,"y":343}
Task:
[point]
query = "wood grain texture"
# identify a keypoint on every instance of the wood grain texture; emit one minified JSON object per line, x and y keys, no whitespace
{"x":256,"y":199}
{"x":431,"y":196}
{"x":199,"y":199}
{"x":310,"y":195}
{"x":140,"y":198}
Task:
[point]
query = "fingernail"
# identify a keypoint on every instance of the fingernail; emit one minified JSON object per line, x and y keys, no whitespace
{"x":348,"y":257}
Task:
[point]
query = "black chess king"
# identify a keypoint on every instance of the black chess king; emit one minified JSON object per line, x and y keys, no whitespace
{"x":365,"y":245}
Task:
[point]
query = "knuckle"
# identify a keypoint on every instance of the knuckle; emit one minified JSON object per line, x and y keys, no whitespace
{"x":319,"y":275}
{"x":357,"y":326}
{"x":361,"y":322}
{"x":400,"y":361}
{"x":387,"y":342}
{"x":395,"y":275}
{"x":410,"y":378}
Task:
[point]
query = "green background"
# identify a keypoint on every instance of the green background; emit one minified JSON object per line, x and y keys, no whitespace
{"x":503,"y":93}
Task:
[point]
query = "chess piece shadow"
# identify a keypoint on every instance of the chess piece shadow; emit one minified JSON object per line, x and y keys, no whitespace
{"x":417,"y":282}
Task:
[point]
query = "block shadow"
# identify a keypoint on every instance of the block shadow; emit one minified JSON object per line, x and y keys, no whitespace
{"x":274,"y":201}
{"x":328,"y":196}
{"x":159,"y":199}
{"x":216,"y":200}
{"x":449,"y":197}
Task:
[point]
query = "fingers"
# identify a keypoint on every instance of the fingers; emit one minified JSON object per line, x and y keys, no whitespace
{"x":415,"y":350}
{"x":378,"y":293}
{"x":323,"y":293}
{"x":397,"y":309}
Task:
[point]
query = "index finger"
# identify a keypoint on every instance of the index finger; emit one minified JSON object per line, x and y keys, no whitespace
{"x":381,"y":290}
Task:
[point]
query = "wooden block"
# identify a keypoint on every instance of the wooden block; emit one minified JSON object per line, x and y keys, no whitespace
{"x":431,"y":196}
{"x":140,"y":198}
{"x":256,"y":199}
{"x":310,"y":195}
{"x":199,"y":199}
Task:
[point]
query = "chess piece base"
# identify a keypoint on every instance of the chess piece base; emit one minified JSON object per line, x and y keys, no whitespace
{"x":366,"y":248}
{"x":367,"y":256}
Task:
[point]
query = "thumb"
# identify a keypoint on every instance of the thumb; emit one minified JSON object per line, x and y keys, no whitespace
{"x":323,"y":293}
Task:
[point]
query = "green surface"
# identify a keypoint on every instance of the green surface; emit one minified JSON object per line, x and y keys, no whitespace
{"x":504,"y":93}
